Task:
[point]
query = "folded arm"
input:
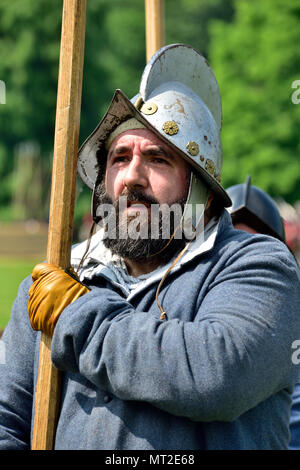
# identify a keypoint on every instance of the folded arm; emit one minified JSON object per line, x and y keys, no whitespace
{"x":17,"y":376}
{"x":235,"y":354}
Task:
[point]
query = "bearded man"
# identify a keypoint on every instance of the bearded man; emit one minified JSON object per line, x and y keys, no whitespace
{"x":166,"y":341}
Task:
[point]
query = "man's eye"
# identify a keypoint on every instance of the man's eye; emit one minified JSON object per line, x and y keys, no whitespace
{"x":159,"y":160}
{"x":120,"y":159}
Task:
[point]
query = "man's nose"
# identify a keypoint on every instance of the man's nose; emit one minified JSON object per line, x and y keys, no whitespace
{"x":136,"y":174}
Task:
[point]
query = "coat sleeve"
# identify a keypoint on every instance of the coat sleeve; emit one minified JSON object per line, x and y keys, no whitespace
{"x":16,"y":375}
{"x":235,"y":354}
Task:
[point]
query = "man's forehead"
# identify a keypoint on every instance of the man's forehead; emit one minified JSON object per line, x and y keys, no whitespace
{"x":145,"y":136}
{"x":149,"y":143}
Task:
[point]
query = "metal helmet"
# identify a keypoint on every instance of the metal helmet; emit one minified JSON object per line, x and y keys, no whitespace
{"x":254,"y":207}
{"x":179,"y":101}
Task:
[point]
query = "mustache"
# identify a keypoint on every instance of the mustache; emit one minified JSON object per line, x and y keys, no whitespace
{"x":101,"y":197}
{"x":134,"y":195}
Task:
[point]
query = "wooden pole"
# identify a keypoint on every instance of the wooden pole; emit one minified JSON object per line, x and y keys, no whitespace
{"x":155,"y":26}
{"x":47,"y":395}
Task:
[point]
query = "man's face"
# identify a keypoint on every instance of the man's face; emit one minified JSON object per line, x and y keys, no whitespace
{"x":139,"y":160}
{"x":144,"y":170}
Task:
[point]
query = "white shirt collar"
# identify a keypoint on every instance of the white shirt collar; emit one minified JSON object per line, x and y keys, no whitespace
{"x":100,"y":261}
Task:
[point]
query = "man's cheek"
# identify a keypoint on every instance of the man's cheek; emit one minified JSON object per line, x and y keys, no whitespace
{"x":113,"y":186}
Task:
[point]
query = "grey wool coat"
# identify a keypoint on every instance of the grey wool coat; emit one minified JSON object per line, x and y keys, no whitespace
{"x":215,"y":374}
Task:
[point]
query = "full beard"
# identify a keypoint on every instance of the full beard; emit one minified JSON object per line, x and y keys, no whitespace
{"x":146,"y":247}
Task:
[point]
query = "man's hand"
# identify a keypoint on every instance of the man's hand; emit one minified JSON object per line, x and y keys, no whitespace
{"x":52,"y":291}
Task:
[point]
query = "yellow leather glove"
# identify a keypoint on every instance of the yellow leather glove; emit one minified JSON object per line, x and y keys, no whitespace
{"x":51,"y":292}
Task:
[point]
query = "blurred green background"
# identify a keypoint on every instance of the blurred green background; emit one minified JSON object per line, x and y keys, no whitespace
{"x":253,"y":48}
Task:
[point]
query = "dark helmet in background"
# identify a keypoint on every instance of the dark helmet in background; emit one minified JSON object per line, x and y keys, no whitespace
{"x":254,"y":207}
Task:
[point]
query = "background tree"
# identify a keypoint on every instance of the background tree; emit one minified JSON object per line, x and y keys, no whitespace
{"x":256,"y":59}
{"x":252,"y":46}
{"x":114,"y":58}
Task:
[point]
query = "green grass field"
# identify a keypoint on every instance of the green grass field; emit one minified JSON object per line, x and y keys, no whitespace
{"x":12,"y":272}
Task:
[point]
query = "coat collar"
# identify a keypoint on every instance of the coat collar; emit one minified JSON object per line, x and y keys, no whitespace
{"x":101,"y":262}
